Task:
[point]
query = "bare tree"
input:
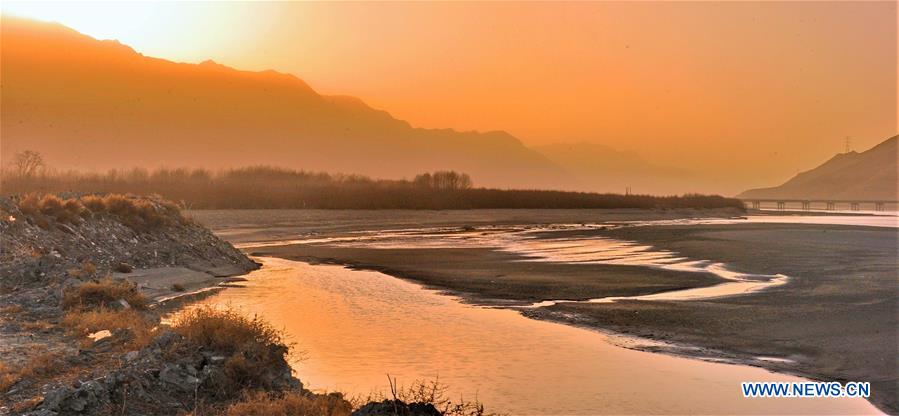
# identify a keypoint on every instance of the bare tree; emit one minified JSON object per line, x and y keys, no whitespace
{"x":28,"y":163}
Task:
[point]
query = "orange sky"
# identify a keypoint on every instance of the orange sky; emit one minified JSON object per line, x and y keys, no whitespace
{"x":751,"y":92}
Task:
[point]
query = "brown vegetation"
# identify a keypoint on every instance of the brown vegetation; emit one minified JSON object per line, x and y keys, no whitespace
{"x":270,"y":187}
{"x":102,"y":293}
{"x":41,"y":365}
{"x":139,"y":213}
{"x":290,"y":403}
{"x":423,"y":394}
{"x":34,"y":326}
{"x":250,"y":348}
{"x":81,"y":323}
{"x":51,"y":206}
{"x":11,"y":309}
{"x":87,"y":269}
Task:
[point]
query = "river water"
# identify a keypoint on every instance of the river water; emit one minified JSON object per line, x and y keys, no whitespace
{"x":351,"y":328}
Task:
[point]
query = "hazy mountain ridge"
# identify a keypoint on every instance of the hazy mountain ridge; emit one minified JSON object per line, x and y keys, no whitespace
{"x":604,"y":168}
{"x":93,"y":104}
{"x":869,"y":175}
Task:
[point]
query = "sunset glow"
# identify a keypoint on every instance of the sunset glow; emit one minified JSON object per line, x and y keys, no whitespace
{"x":704,"y":86}
{"x":505,"y":207}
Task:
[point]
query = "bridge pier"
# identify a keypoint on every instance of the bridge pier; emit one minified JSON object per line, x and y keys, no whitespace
{"x":829,"y":205}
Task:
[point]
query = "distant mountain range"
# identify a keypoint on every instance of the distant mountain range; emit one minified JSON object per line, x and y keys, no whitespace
{"x":90,"y":104}
{"x":96,"y":105}
{"x":869,"y":175}
{"x":599,"y":167}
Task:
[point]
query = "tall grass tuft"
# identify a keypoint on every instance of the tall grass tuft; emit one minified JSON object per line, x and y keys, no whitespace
{"x":102,"y":293}
{"x":253,"y":352}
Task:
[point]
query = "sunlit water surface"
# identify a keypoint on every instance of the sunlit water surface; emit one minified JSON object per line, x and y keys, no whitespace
{"x":354,"y":327}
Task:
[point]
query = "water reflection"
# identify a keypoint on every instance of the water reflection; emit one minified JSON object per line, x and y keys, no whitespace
{"x":356,"y":326}
{"x":525,"y":242}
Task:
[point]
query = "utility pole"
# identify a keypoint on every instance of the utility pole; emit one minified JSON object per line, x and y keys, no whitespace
{"x":848,"y":143}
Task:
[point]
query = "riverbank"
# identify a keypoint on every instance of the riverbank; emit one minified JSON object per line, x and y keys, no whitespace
{"x":85,"y":283}
{"x":834,"y":320}
{"x":517,"y":365}
{"x":81,"y":280}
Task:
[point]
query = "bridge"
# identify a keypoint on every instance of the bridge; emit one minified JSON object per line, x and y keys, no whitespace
{"x":827,"y":204}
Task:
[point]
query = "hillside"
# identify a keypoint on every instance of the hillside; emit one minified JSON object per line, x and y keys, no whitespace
{"x":869,"y":175}
{"x":602,"y":168}
{"x":90,"y":104}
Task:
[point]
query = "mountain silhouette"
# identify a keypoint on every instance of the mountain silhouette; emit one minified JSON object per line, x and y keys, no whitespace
{"x":602,"y":168}
{"x":869,"y":175}
{"x":96,"y":105}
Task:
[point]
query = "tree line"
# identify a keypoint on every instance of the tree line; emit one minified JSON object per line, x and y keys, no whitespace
{"x":266,"y":187}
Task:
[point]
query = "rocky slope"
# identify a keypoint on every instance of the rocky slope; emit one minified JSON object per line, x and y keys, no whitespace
{"x":869,"y":175}
{"x":84,"y":282}
{"x":52,"y":249}
{"x":37,"y":249}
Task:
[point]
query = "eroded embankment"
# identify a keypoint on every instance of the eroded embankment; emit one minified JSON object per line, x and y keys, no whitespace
{"x":80,"y":280}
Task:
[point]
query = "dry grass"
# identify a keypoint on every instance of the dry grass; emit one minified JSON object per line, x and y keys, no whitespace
{"x":27,"y":404}
{"x":11,"y":309}
{"x":252,"y":348}
{"x":291,"y":403}
{"x":42,"y":365}
{"x":46,"y":206}
{"x":139,"y":213}
{"x":8,"y":376}
{"x":102,"y":293}
{"x":84,"y":322}
{"x":37,"y":326}
{"x":85,"y":270}
{"x":136,"y":212}
{"x":225,"y":330}
{"x":426,"y":392}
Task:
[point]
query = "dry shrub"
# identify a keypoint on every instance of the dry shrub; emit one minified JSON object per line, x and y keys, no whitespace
{"x":124,"y":268}
{"x":27,"y":404}
{"x":8,"y":376}
{"x":136,"y":212}
{"x":93,"y":203}
{"x":252,"y":348}
{"x":15,"y":308}
{"x":85,"y":322}
{"x":36,"y":326}
{"x":291,"y":403}
{"x":29,"y":204}
{"x":425,"y":393}
{"x":42,"y":207}
{"x":225,"y":330}
{"x":139,"y":213}
{"x":102,"y":293}
{"x":42,"y":365}
{"x":178,"y":287}
{"x":87,"y":269}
